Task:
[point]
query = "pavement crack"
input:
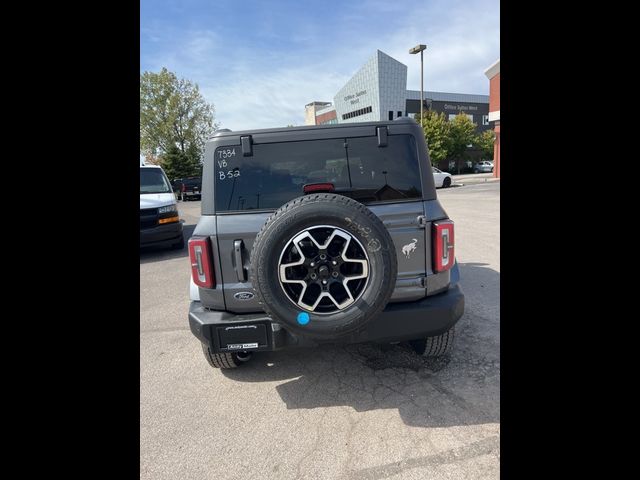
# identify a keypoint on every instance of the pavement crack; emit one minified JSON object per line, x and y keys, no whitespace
{"x":489,"y":445}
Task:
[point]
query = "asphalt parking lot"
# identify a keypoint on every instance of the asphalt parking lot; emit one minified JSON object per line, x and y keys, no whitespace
{"x":360,"y":411}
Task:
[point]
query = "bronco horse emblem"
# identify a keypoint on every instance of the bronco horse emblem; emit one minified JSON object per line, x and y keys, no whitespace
{"x":410,"y":247}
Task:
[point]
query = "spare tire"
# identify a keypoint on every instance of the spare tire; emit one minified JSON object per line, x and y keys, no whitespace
{"x":323,"y":265}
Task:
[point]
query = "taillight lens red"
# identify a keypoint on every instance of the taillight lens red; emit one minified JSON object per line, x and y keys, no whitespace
{"x":201,"y":262}
{"x":318,"y":187}
{"x":443,"y":242}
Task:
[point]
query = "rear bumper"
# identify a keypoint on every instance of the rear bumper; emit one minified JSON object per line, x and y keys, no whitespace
{"x":161,"y":235}
{"x":397,"y":322}
{"x":190,"y":194}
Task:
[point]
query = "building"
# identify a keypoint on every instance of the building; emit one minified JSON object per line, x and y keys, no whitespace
{"x":311,"y":111}
{"x":493,"y":74}
{"x":378,"y":91}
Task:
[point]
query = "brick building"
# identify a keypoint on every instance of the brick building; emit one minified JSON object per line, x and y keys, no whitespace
{"x":493,"y":74}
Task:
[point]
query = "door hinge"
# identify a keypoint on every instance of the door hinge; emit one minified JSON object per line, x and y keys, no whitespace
{"x":381,"y":132}
{"x":422,"y":221}
{"x":246,"y":142}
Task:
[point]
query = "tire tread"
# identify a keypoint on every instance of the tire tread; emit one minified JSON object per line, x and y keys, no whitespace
{"x":220,"y":360}
{"x":440,"y":344}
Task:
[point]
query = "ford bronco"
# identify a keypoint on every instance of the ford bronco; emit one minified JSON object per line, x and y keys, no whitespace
{"x":321,"y":234}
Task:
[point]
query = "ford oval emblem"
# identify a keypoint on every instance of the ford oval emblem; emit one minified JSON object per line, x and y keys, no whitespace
{"x":244,"y":295}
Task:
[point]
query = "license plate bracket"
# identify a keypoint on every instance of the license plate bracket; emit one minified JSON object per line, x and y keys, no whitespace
{"x":242,"y":337}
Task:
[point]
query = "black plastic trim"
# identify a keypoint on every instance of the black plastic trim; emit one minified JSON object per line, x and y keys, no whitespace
{"x":428,"y":317}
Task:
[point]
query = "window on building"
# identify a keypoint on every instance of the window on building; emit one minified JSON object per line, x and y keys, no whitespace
{"x":485,"y":119}
{"x":356,"y":113}
{"x":454,"y":115}
{"x":399,"y":114}
{"x":390,"y":114}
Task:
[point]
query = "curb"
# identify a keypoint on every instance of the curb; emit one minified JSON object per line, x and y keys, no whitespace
{"x":473,"y":182}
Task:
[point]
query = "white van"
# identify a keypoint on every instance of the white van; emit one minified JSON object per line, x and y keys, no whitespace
{"x":160,"y":223}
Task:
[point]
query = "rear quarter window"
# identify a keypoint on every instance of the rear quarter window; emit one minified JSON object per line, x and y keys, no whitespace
{"x":276,"y":173}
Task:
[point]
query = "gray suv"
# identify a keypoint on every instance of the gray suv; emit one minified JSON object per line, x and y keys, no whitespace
{"x":321,"y":234}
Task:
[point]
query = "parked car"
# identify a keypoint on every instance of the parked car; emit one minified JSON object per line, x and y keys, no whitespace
{"x":322,"y":234}
{"x":159,"y":219}
{"x":188,"y":188}
{"x":440,"y":178}
{"x":483,"y":167}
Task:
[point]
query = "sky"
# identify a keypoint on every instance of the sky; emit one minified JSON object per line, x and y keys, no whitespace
{"x":260,"y":62}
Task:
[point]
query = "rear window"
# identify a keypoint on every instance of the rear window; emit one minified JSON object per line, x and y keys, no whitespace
{"x":191,"y":181}
{"x":277,"y":172}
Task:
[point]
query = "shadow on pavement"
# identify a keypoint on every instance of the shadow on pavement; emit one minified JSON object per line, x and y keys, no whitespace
{"x":461,"y":389}
{"x":154,"y":254}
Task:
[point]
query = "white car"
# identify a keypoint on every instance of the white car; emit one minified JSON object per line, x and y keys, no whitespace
{"x":483,"y":167}
{"x":440,"y":178}
{"x":160,"y":223}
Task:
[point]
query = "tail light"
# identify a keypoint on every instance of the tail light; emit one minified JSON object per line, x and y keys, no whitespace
{"x":443,"y":242}
{"x":318,"y":187}
{"x":201,"y":262}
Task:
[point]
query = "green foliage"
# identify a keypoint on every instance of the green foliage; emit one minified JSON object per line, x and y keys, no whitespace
{"x":462,"y":134}
{"x":437,"y":132}
{"x":178,"y":164}
{"x":485,"y":142}
{"x":449,"y":140}
{"x":173,"y":113}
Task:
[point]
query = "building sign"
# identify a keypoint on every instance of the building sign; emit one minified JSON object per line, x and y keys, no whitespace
{"x":354,"y":98}
{"x":460,"y":107}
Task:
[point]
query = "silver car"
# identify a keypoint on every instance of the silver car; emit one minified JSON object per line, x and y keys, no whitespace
{"x":483,"y":167}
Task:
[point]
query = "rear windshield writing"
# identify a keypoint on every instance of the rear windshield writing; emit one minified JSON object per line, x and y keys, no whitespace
{"x":277,"y":172}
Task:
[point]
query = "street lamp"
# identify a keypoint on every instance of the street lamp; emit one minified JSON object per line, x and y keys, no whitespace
{"x":420,"y":48}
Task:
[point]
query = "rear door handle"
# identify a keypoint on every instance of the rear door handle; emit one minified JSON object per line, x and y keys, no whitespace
{"x":237,"y":250}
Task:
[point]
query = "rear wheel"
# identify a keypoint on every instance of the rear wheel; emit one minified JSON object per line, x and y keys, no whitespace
{"x":447,"y":182}
{"x":435,"y":346}
{"x":225,"y":360}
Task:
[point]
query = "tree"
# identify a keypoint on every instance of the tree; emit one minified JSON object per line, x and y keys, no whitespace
{"x":485,"y":142}
{"x":173,"y":113}
{"x":462,"y":134}
{"x":436,"y":132}
{"x":177,"y":164}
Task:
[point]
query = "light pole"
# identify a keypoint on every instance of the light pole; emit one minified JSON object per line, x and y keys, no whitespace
{"x":420,"y":48}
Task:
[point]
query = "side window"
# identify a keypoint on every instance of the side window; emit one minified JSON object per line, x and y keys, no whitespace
{"x":384,"y":173}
